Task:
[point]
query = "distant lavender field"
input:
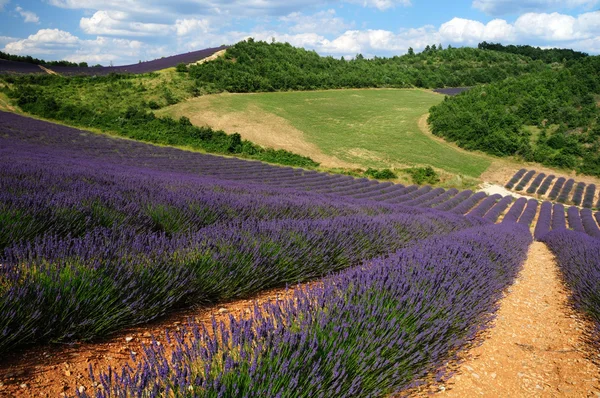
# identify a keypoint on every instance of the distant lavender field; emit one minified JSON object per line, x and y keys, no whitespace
{"x":18,"y":67}
{"x":451,"y":91}
{"x":143,"y":67}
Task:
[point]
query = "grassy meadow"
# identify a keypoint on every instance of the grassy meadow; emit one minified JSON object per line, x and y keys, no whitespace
{"x":369,"y":128}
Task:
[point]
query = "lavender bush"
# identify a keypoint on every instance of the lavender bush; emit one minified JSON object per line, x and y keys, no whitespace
{"x":574,"y":219}
{"x":368,"y":331}
{"x":536,"y":183}
{"x":588,"y":199}
{"x":529,"y":212}
{"x":589,"y":224}
{"x":578,"y":257}
{"x":545,"y":185}
{"x":515,"y":211}
{"x":498,"y":209}
{"x":482,"y":208}
{"x":523,"y":183}
{"x":556,"y":188}
{"x":559,"y":220}
{"x":564,"y":195}
{"x":542,"y":227}
{"x":515,"y":179}
{"x":578,"y":194}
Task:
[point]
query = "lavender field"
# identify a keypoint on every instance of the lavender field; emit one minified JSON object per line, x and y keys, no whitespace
{"x":142,"y":67}
{"x":98,"y":234}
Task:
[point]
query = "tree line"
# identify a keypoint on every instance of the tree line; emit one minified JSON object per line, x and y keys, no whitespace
{"x":30,"y":60}
{"x":550,"y":117}
{"x":257,"y":66}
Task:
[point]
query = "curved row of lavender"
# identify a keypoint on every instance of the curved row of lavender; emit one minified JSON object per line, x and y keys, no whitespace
{"x":525,"y":180}
{"x":578,"y":257}
{"x":515,"y":179}
{"x":561,"y":190}
{"x":546,"y":185}
{"x":536,"y":183}
{"x":147,"y":229}
{"x":369,"y":331}
{"x":142,"y":67}
{"x":554,"y":218}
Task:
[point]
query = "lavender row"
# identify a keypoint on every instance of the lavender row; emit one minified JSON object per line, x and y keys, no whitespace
{"x":515,"y":211}
{"x":536,"y":183}
{"x":529,"y":212}
{"x":589,"y":224}
{"x":578,"y":257}
{"x":523,"y":183}
{"x":360,"y":333}
{"x":41,"y":198}
{"x":482,"y":208}
{"x":498,"y":209}
{"x":564,"y":195}
{"x":542,"y":227}
{"x":545,"y":185}
{"x":578,"y":194}
{"x":556,"y":188}
{"x":588,"y":199}
{"x":574,"y":219}
{"x":60,"y":290}
{"x":515,"y":179}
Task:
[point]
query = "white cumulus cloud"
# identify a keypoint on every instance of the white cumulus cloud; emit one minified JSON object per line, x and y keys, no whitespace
{"x":58,"y":44}
{"x":118,"y":23}
{"x":28,"y":16}
{"x":322,"y":22}
{"x":558,"y":27}
{"x":186,"y":26}
{"x":466,"y":31}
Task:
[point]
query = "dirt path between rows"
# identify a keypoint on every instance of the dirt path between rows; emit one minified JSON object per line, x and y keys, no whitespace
{"x":536,"y":348}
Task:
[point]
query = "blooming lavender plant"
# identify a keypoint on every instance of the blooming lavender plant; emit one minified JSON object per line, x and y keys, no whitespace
{"x":529,"y":212}
{"x":544,"y":221}
{"x":545,"y":185}
{"x":515,"y":211}
{"x":368,"y":331}
{"x":578,"y":257}
{"x":515,"y":179}
{"x":589,"y":224}
{"x":588,"y":199}
{"x":526,"y":178}
{"x":536,"y":183}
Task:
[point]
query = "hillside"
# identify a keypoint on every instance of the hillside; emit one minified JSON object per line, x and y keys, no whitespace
{"x":549,"y":117}
{"x":251,"y":66}
{"x":22,"y":64}
{"x":107,"y":102}
{"x":361,"y":128}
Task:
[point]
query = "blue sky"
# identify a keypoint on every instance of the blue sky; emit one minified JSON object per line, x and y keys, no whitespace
{"x":125,"y":31}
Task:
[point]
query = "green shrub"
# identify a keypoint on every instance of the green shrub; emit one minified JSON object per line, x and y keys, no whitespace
{"x":384,"y":174}
{"x":424,"y":175}
{"x":181,"y":68}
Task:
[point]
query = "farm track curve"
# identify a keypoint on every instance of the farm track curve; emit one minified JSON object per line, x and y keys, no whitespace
{"x":536,"y":346}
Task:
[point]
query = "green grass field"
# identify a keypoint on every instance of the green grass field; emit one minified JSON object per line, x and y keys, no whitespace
{"x":370,"y":128}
